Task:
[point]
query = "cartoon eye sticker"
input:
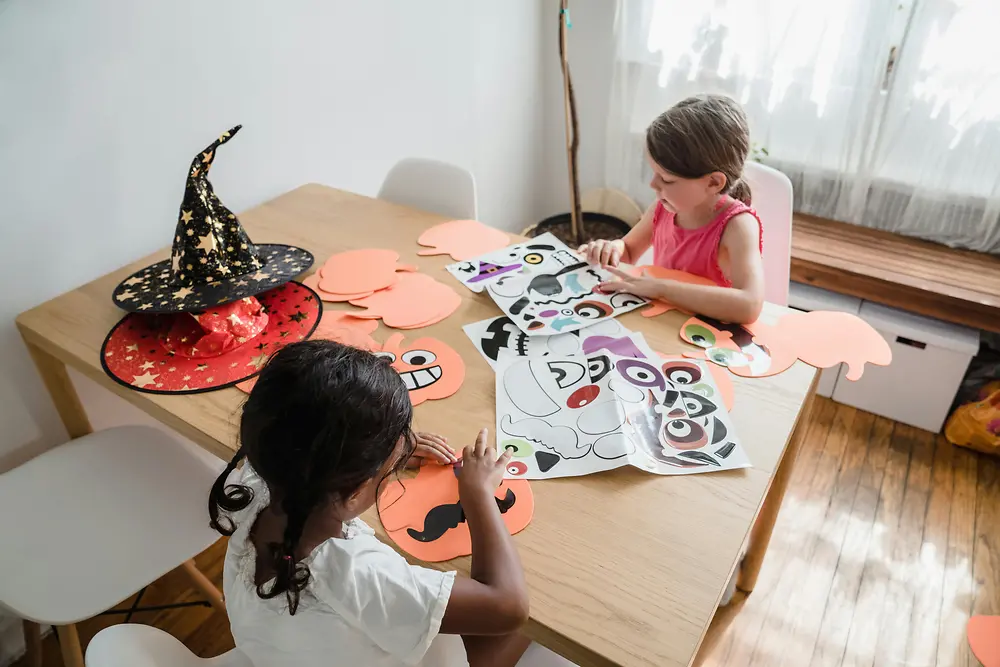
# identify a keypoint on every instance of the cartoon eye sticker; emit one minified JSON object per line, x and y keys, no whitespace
{"x":386,"y":355}
{"x":699,"y":335}
{"x":727,"y":357}
{"x":682,"y":372}
{"x":684,"y":434}
{"x":641,"y":374}
{"x":583,"y":396}
{"x":625,"y":300}
{"x":598,"y":367}
{"x":418,"y":357}
{"x":516,"y":468}
{"x":508,"y":287}
{"x":534,"y":258}
{"x":567,"y":373}
{"x":518,"y":448}
{"x":697,"y":406}
{"x":592,"y":310}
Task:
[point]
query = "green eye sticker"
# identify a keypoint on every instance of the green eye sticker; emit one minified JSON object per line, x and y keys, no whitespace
{"x":726,"y":357}
{"x":520,"y":448}
{"x":703,"y":389}
{"x":699,"y":335}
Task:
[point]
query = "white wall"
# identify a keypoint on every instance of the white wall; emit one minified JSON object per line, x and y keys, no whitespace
{"x":105,"y":102}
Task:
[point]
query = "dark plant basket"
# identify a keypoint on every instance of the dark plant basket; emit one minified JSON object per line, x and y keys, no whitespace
{"x":594,"y":226}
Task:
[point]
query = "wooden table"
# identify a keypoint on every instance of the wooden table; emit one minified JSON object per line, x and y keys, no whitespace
{"x":624,"y":567}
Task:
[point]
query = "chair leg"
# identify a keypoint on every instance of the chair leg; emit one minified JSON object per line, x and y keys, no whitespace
{"x":32,"y":644}
{"x":203,"y":584}
{"x":69,"y":644}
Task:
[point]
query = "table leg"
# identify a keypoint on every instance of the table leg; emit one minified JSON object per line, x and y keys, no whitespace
{"x":760,"y":534}
{"x":69,"y":643}
{"x":204,"y":584}
{"x":62,"y":391}
{"x":32,"y":644}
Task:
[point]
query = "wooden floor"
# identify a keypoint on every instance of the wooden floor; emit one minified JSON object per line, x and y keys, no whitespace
{"x":889,"y":538}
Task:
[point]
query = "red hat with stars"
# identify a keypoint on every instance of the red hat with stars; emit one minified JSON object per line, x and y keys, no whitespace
{"x":188,"y":353}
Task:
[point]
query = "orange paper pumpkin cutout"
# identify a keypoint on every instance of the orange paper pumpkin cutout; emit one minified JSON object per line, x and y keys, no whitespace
{"x":424,"y":518}
{"x":430,"y":368}
{"x":462,"y":239}
{"x":415,"y":300}
{"x":313,"y":282}
{"x":650,"y":271}
{"x":820,"y":338}
{"x":984,"y":639}
{"x":360,"y":272}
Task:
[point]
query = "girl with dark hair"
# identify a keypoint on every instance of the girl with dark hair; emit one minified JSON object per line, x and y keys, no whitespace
{"x":701,"y":221}
{"x":306,"y":581}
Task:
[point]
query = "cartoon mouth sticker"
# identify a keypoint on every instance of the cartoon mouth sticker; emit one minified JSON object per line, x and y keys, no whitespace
{"x":425,"y":518}
{"x":430,"y":368}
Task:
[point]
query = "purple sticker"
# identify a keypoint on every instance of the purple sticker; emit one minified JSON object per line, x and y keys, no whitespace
{"x":548,"y":313}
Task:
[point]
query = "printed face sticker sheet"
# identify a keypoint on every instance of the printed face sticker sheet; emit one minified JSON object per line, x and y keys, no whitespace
{"x":568,"y":416}
{"x":543,"y":287}
{"x":499,"y":335}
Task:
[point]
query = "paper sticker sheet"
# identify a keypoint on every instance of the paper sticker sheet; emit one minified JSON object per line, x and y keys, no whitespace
{"x":568,"y":416}
{"x":542,"y":254}
{"x":497,"y":335}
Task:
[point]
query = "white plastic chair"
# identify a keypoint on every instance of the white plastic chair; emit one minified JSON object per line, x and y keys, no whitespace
{"x":432,"y":186}
{"x":91,"y":522}
{"x":133,"y":645}
{"x":772,"y":199}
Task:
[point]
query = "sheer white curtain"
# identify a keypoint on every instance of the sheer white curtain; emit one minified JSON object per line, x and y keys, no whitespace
{"x":883,"y":113}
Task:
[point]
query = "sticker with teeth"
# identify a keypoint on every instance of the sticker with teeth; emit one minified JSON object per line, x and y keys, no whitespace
{"x":430,"y":368}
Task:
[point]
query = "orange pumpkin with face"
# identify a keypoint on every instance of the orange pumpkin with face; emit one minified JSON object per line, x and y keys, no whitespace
{"x":424,"y":517}
{"x":430,"y":368}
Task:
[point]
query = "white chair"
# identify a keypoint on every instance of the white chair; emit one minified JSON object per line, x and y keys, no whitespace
{"x":133,"y":645}
{"x":91,"y":522}
{"x":432,"y":186}
{"x":772,"y":199}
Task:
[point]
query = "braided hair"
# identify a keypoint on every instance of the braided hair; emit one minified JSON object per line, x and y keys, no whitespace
{"x":322,"y":420}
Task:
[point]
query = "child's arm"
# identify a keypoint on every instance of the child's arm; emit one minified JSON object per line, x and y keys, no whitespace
{"x":740,"y":303}
{"x":628,"y":249}
{"x":494,"y":601}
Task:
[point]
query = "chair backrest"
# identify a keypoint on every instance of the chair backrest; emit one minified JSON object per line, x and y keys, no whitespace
{"x":772,"y":199}
{"x":432,"y":186}
{"x":134,"y":645}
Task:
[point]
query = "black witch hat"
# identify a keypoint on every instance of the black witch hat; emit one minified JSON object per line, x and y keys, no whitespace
{"x":213,"y":261}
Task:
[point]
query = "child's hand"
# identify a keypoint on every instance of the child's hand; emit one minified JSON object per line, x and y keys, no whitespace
{"x":482,"y":471}
{"x":651,"y":288}
{"x":432,"y":447}
{"x":604,"y":253}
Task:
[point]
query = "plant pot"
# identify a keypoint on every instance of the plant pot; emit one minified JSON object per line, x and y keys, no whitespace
{"x":594,"y":226}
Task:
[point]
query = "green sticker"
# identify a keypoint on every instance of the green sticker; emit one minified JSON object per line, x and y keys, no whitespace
{"x":699,"y":335}
{"x":520,"y":448}
{"x":703,"y":389}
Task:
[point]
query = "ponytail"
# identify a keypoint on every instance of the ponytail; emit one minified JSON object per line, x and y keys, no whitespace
{"x":740,"y":190}
{"x":290,"y":576}
{"x":228,"y":497}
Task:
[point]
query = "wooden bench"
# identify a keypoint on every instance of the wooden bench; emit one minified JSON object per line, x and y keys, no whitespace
{"x":957,"y":286}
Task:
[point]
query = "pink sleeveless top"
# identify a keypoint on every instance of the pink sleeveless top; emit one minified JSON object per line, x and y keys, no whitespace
{"x":696,"y":250}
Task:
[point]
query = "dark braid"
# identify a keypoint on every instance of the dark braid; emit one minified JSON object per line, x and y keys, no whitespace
{"x":322,"y":420}
{"x":229,"y":497}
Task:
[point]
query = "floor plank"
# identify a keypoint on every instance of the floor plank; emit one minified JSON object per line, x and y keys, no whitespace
{"x":886,"y":543}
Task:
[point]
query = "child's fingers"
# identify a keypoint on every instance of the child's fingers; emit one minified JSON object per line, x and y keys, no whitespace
{"x":616,"y":257}
{"x":613,"y":286}
{"x":436,"y":452}
{"x":606,"y":251}
{"x":504,"y":458}
{"x":480,"y":447}
{"x":621,"y":274}
{"x":432,"y":438}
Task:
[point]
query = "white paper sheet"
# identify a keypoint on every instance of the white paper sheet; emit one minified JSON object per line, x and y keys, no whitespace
{"x":542,"y":254}
{"x":568,"y":416}
{"x":497,"y":334}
